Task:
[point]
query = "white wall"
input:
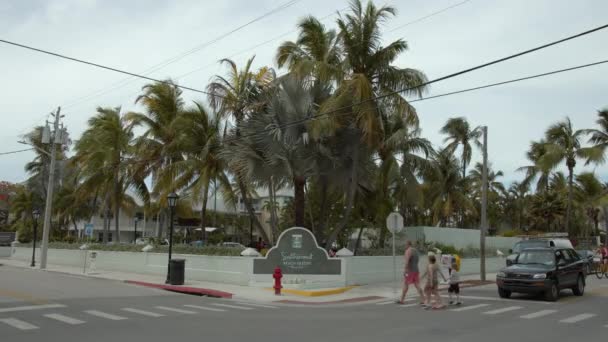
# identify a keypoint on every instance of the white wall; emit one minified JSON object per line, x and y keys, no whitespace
{"x":459,"y":238}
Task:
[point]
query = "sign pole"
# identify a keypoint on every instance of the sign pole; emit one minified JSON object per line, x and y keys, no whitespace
{"x":394,"y":223}
{"x":394,"y":268}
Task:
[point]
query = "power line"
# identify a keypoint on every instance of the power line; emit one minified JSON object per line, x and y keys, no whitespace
{"x":17,"y":151}
{"x":174,"y":59}
{"x":101,"y":66}
{"x":511,"y":81}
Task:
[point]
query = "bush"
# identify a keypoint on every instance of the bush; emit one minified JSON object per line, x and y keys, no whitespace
{"x":512,"y":233}
{"x":177,"y":249}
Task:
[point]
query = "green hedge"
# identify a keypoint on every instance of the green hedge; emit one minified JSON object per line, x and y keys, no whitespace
{"x":177,"y":249}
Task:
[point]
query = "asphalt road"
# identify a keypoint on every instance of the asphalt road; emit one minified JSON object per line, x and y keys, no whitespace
{"x":37,"y":305}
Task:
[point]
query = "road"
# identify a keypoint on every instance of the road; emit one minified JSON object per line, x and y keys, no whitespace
{"x":37,"y":305}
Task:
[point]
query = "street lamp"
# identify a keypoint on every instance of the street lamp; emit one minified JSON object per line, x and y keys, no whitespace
{"x":36,"y":216}
{"x":172,"y":199}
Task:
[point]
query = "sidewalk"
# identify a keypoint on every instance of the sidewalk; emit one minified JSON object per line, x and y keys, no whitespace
{"x":372,"y":292}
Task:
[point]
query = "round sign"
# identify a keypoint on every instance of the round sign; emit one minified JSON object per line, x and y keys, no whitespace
{"x":394,"y":222}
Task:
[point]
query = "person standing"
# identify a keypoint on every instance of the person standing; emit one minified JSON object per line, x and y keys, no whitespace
{"x":432,"y":284}
{"x":411,"y":272}
{"x":454,"y":280}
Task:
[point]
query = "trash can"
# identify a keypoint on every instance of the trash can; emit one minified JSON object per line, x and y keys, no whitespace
{"x":176,"y":271}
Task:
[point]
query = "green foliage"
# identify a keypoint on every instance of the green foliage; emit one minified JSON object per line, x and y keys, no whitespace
{"x":177,"y":249}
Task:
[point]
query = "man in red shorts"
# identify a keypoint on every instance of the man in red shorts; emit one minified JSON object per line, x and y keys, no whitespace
{"x":411,"y":273}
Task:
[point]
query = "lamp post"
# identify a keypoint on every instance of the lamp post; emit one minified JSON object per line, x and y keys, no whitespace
{"x":172,"y":199}
{"x":135,"y":232}
{"x":36,"y":216}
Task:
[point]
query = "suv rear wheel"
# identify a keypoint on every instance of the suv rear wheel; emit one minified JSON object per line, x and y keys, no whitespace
{"x":552,"y":294}
{"x":504,"y":293}
{"x":579,"y":289}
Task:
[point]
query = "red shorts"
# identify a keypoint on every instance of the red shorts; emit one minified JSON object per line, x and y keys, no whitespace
{"x":412,"y":278}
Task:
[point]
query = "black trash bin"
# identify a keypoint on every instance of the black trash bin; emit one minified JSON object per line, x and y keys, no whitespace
{"x":176,"y":272}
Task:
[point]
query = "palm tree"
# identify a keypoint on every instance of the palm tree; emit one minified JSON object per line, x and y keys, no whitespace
{"x":239,"y":96}
{"x":493,"y":184}
{"x":373,"y":88}
{"x":100,"y":153}
{"x":38,"y":168}
{"x":443,"y":188}
{"x":517,"y":193}
{"x":199,"y":138}
{"x":564,"y":145}
{"x":535,"y":170}
{"x":316,"y":52}
{"x":590,"y":192}
{"x":460,"y":134}
{"x":154,"y":148}
{"x":599,"y":137}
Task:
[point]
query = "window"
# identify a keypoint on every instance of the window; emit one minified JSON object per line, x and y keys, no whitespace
{"x":573,"y":255}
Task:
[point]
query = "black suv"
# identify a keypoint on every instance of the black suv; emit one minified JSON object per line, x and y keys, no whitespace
{"x":543,"y":270}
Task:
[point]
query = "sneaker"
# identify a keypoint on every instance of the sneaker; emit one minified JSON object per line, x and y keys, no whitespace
{"x":458,"y":303}
{"x":451,"y":302}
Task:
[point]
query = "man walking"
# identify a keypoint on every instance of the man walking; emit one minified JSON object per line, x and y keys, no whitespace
{"x":411,"y":273}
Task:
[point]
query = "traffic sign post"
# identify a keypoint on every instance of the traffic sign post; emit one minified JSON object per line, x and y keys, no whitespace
{"x":394,"y":224}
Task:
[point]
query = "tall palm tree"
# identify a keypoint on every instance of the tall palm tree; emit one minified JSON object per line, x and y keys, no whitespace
{"x":517,"y":193}
{"x":199,"y":137}
{"x":316,"y":52}
{"x":599,"y":137}
{"x":460,"y":134}
{"x":564,"y":145}
{"x":239,"y":96}
{"x":163,"y":104}
{"x":494,"y":185}
{"x":373,"y":88}
{"x":100,"y":153}
{"x":590,"y":193}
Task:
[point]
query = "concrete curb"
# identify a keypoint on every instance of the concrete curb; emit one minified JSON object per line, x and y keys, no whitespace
{"x":183,"y":289}
{"x":315,"y":293}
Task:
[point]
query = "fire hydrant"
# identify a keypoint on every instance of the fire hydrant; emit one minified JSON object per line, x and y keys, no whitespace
{"x":277,"y":275}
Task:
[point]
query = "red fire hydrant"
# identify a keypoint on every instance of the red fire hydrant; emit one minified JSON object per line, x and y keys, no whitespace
{"x":277,"y":275}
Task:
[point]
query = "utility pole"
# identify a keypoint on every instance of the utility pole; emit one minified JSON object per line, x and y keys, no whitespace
{"x":484,"y":205}
{"x":55,"y":139}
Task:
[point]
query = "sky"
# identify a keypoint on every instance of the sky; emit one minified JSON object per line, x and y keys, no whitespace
{"x":136,"y":35}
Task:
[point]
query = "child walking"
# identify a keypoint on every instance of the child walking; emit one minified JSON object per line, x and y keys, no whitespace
{"x":432,"y":284}
{"x":454,"y":281}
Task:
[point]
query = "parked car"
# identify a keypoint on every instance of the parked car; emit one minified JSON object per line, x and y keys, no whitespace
{"x":536,"y":242}
{"x":232,"y":245}
{"x":543,"y":270}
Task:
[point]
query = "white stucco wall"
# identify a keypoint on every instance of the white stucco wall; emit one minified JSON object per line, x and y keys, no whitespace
{"x":459,"y":238}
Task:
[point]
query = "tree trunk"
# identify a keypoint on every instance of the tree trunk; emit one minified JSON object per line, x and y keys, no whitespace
{"x":299,"y":201}
{"x":309,"y":205}
{"x":273,"y":211}
{"x":117,"y":187}
{"x":106,"y":219}
{"x":320,"y":231}
{"x":350,"y":198}
{"x":251,"y":211}
{"x":204,"y":213}
{"x":569,"y":207}
{"x":358,"y":241}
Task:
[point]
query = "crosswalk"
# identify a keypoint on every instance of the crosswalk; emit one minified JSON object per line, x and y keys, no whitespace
{"x":49,"y":316}
{"x":501,"y":307}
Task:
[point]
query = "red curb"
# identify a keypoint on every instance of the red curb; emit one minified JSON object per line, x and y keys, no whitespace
{"x":184,"y":289}
{"x":351,"y":300}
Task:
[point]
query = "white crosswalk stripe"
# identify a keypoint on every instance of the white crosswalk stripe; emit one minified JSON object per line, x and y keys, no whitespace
{"x":258,"y":305}
{"x":538,"y":314}
{"x":15,"y":323}
{"x":182,"y":311}
{"x":64,"y":319}
{"x":232,"y":306}
{"x":204,"y":308}
{"x":32,"y":307}
{"x":577,"y":318}
{"x":472,"y":307}
{"x":503,"y":310}
{"x":395,"y":301}
{"x":143,"y":312}
{"x":105,"y":315}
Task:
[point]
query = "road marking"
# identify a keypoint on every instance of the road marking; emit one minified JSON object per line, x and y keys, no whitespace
{"x":22,"y":296}
{"x":105,"y":315}
{"x":176,"y":310}
{"x":32,"y":307}
{"x":472,"y":307}
{"x":204,"y":308}
{"x":143,"y":312}
{"x":577,"y":318}
{"x":394,"y":302}
{"x":64,"y":319}
{"x":15,"y":323}
{"x":494,"y":299}
{"x":537,"y":314}
{"x":233,"y":306}
{"x":259,"y":305}
{"x":503,"y":310}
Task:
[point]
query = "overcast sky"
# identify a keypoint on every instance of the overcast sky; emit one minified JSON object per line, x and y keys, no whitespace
{"x":138,"y":34}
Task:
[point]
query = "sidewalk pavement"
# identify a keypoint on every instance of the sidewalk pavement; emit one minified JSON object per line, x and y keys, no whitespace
{"x":371,"y":292}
